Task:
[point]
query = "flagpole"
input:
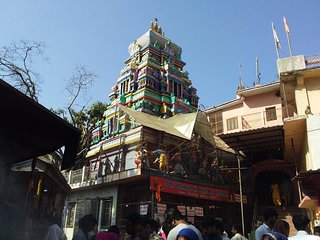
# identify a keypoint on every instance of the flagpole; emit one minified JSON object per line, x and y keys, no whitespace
{"x":241,"y":195}
{"x":275,"y":40}
{"x":240,"y":77}
{"x":257,"y":71}
{"x":288,"y":35}
{"x":289,"y":43}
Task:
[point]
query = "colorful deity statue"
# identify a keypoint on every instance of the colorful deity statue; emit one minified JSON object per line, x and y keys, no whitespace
{"x":162,"y":158}
{"x":178,"y":167}
{"x":146,"y":155}
{"x":138,"y":157}
{"x":164,"y":111}
{"x":143,"y":156}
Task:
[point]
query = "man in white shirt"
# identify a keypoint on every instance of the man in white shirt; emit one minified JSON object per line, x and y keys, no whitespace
{"x":301,"y":222}
{"x":270,"y":216}
{"x":178,"y":221}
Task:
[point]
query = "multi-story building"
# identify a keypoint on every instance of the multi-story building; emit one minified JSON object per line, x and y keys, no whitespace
{"x":253,"y":124}
{"x":153,"y":149}
{"x":300,"y":91}
{"x":276,"y":126}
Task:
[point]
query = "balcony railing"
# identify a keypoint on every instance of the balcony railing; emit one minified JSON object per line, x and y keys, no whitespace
{"x":83,"y":177}
{"x":254,"y":120}
{"x":312,"y":60}
{"x":262,"y":119}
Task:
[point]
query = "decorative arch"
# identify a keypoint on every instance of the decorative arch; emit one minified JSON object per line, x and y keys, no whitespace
{"x":273,"y":165}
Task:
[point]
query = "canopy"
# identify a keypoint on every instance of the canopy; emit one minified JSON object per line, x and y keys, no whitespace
{"x":180,"y":125}
{"x":29,"y":130}
{"x":307,"y":202}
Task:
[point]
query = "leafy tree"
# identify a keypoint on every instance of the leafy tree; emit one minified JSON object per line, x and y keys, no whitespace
{"x":86,"y":121}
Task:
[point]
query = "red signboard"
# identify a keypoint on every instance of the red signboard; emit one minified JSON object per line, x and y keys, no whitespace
{"x":189,"y":190}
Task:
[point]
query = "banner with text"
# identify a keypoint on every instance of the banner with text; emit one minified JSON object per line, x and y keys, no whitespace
{"x":189,"y":190}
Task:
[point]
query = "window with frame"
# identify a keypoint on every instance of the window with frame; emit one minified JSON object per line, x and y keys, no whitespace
{"x":216,"y":122}
{"x":71,"y":214}
{"x":232,"y":123}
{"x":106,"y":211}
{"x":271,"y":114}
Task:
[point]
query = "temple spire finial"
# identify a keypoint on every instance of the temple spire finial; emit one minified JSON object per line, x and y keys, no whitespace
{"x":155,"y":27}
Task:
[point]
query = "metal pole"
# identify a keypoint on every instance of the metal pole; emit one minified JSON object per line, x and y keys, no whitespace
{"x":295,"y":160}
{"x":286,"y":27}
{"x":285,"y":97}
{"x":289,"y":43}
{"x":152,"y":204}
{"x":240,"y":188}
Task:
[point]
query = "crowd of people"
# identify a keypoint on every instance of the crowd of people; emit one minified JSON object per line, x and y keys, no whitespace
{"x":175,"y":227}
{"x":274,"y":229}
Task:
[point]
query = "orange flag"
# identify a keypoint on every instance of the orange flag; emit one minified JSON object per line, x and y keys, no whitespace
{"x":286,"y":26}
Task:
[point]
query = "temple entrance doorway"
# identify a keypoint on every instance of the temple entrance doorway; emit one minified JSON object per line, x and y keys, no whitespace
{"x":265,"y":185}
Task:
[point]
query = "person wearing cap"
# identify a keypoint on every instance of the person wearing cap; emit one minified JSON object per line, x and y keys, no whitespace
{"x":187,"y":234}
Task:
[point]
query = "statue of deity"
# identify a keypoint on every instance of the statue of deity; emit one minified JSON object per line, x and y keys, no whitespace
{"x":178,"y":167}
{"x":162,"y":158}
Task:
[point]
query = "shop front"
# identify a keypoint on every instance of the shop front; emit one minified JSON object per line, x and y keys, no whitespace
{"x":157,"y":194}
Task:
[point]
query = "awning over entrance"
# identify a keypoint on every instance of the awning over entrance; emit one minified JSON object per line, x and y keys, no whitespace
{"x":28,"y":130}
{"x":307,"y":202}
{"x":43,"y":165}
{"x":306,"y":176}
{"x":180,"y":125}
{"x":255,"y":140}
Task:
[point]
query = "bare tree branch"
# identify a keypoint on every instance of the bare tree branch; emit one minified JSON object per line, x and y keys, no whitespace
{"x":81,"y":80}
{"x":16,"y":66}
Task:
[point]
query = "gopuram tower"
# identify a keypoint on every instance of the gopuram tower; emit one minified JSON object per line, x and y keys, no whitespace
{"x":152,"y":149}
{"x":153,"y":81}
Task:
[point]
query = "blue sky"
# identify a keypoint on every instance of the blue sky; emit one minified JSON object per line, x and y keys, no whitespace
{"x":215,"y":35}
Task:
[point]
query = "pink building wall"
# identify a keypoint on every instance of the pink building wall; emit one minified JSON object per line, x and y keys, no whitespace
{"x":250,"y":109}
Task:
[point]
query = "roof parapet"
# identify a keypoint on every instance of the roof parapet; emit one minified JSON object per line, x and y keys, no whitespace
{"x":290,"y":64}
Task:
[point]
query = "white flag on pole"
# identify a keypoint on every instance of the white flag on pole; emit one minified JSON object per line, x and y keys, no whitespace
{"x":275,"y":36}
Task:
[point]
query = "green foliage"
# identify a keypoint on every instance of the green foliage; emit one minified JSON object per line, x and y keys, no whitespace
{"x":85,"y":120}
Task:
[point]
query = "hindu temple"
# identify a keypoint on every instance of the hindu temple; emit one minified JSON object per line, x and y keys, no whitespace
{"x":153,"y":149}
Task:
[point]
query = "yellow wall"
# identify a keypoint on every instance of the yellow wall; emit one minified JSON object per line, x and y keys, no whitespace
{"x":307,"y":93}
{"x":313,"y":133}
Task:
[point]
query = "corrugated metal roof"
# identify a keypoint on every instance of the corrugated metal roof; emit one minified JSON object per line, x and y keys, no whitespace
{"x":253,"y":140}
{"x":307,"y":175}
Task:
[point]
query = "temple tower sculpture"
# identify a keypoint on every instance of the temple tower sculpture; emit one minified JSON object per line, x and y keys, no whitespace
{"x":152,"y":81}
